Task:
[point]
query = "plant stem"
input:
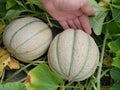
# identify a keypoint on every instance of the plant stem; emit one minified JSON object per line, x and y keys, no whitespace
{"x":113,"y":5}
{"x":115,"y":35}
{"x":76,"y":87}
{"x":63,"y":87}
{"x":88,"y":86}
{"x":2,"y":77}
{"x":22,"y":80}
{"x":17,"y":72}
{"x":93,"y":84}
{"x":105,"y":72}
{"x":101,"y":61}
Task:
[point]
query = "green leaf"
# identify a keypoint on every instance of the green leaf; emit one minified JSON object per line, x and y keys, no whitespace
{"x":116,"y":14}
{"x":3,"y":1}
{"x":15,"y":5}
{"x":114,"y":45}
{"x":2,"y":8}
{"x":116,"y":60}
{"x":10,"y":9}
{"x":97,"y":20}
{"x":10,"y":3}
{"x":113,"y":28}
{"x":37,"y":3}
{"x":115,"y":73}
{"x":116,"y":1}
{"x":12,"y":14}
{"x":115,"y":8}
{"x":12,"y":86}
{"x":115,"y":49}
{"x":41,"y":78}
{"x":116,"y":86}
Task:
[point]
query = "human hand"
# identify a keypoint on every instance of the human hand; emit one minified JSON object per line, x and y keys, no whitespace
{"x":71,"y":13}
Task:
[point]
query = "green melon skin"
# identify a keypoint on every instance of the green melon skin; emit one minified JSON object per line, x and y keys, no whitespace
{"x":73,"y":55}
{"x":27,"y":38}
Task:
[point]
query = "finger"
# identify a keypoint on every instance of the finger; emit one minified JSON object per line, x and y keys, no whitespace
{"x":85,"y":23}
{"x":77,"y":23}
{"x":64,"y":24}
{"x":71,"y":24}
{"x":87,"y":9}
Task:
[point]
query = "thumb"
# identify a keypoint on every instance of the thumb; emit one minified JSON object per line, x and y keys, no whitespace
{"x":87,"y":9}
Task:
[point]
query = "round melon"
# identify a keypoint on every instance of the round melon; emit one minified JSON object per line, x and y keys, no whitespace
{"x":73,"y":55}
{"x":27,"y":38}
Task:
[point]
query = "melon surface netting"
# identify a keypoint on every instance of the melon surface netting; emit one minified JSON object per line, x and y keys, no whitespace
{"x":27,"y":38}
{"x":73,"y":55}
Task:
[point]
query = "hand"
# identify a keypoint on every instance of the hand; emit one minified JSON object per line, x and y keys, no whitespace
{"x":71,"y":13}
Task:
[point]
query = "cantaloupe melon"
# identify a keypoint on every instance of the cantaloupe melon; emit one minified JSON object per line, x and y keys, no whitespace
{"x":27,"y":38}
{"x":73,"y":55}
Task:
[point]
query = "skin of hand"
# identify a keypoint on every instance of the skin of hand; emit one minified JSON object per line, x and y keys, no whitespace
{"x":70,"y":13}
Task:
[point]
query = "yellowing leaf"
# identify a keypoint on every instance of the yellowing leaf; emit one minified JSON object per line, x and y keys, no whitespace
{"x":3,"y":52}
{"x":4,"y":62}
{"x":13,"y":64}
{"x":7,"y":61}
{"x":4,"y":59}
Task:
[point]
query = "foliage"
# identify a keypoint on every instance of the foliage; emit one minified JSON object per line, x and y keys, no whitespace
{"x":107,"y":21}
{"x":115,"y":72}
{"x":13,"y":9}
{"x":98,"y":19}
{"x":115,"y":49}
{"x":13,"y":86}
{"x":41,"y":78}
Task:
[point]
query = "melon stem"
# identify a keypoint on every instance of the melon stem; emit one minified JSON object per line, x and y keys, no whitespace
{"x":101,"y":61}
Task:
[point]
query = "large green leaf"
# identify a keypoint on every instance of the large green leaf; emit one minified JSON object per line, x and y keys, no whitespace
{"x":12,"y":14}
{"x":116,"y":14}
{"x":97,"y":20}
{"x":116,"y":86}
{"x":117,"y":2}
{"x":12,"y":86}
{"x":113,"y":28}
{"x":115,"y":74}
{"x":116,"y":60}
{"x":115,"y":49}
{"x":10,"y":3}
{"x":2,"y":8}
{"x":10,"y":10}
{"x":41,"y":78}
{"x":37,"y":3}
{"x":115,"y":8}
{"x":15,"y":4}
{"x":114,"y":45}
